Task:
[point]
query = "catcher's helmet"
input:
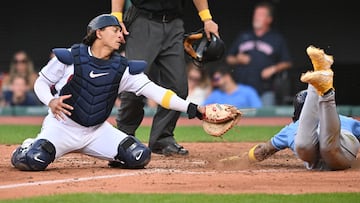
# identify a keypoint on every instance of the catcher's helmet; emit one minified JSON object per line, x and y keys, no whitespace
{"x":203,"y":50}
{"x":102,"y":21}
{"x":298,"y":103}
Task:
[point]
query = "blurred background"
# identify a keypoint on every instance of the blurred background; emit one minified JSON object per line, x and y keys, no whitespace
{"x":39,"y":26}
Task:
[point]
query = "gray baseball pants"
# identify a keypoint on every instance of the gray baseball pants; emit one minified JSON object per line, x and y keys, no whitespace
{"x":319,"y":134}
{"x":161,"y":45}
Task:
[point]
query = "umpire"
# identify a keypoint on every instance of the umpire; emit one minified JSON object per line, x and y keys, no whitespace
{"x":154,"y":30}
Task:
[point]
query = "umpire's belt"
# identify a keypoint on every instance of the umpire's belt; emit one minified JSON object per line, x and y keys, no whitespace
{"x":161,"y":18}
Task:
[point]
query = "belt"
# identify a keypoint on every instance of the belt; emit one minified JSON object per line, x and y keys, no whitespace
{"x":162,"y":18}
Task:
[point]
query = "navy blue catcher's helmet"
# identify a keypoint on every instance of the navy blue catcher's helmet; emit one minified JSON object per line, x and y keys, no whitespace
{"x":298,"y":103}
{"x":102,"y":21}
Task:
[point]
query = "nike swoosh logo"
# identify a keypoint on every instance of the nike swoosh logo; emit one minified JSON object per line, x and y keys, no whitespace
{"x":36,"y":157}
{"x":95,"y":75}
{"x":138,"y":156}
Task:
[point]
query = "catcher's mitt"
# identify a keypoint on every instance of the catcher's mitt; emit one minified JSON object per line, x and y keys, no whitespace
{"x":219,"y":118}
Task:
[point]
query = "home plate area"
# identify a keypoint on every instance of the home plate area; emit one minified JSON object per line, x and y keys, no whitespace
{"x":217,"y":168}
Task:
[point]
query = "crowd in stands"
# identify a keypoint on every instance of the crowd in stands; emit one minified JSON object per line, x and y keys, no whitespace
{"x":18,"y":82}
{"x":246,"y":78}
{"x":204,"y":86}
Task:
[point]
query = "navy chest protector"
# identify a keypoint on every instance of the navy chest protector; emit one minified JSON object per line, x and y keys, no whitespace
{"x":94,"y":85}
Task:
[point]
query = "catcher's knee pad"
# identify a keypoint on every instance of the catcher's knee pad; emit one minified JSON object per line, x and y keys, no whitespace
{"x":132,"y":154}
{"x":35,"y":157}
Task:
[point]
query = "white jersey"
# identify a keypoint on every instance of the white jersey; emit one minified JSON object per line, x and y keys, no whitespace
{"x":58,"y":74}
{"x":101,"y":140}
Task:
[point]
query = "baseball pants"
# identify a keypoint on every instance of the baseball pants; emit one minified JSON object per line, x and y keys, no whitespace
{"x":161,"y":45}
{"x":100,"y":141}
{"x":318,"y":140}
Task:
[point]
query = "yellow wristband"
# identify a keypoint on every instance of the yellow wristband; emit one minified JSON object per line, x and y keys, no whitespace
{"x":118,"y":15}
{"x":205,"y":15}
{"x":166,"y":99}
{"x":252,"y":154}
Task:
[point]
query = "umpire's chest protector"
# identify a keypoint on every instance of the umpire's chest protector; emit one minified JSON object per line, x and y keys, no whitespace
{"x":94,"y":86}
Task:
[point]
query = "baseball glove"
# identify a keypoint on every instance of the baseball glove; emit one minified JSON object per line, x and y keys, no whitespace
{"x":220,"y":118}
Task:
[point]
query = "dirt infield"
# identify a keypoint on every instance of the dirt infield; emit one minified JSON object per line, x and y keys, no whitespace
{"x":200,"y":172}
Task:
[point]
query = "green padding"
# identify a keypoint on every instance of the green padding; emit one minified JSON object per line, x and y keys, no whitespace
{"x":355,"y":111}
{"x":274,"y":111}
{"x":344,"y":110}
{"x":278,"y":111}
{"x":24,"y":111}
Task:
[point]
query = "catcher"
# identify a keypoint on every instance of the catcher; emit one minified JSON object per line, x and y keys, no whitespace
{"x":319,"y":136}
{"x":80,"y":86}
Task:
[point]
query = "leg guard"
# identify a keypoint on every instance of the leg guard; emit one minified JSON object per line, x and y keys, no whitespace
{"x":34,"y":157}
{"x":132,"y":154}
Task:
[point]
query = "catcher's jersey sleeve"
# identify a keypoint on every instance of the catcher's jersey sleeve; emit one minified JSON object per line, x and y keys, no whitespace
{"x":140,"y":84}
{"x":53,"y":73}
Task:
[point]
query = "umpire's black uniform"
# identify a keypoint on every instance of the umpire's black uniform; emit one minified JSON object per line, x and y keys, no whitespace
{"x":156,"y":35}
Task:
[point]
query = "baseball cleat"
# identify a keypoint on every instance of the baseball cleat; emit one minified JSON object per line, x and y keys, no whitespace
{"x":319,"y":59}
{"x":322,"y":80}
{"x":261,"y":152}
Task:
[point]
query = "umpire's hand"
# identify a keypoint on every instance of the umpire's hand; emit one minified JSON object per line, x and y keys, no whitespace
{"x":125,"y":33}
{"x":211,"y":27}
{"x":59,"y":108}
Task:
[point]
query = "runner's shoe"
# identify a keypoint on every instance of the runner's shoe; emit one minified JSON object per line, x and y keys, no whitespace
{"x":322,"y":80}
{"x":319,"y":59}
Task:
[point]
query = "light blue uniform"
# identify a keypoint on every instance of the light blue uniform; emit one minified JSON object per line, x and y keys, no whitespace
{"x":285,"y":138}
{"x":321,"y":138}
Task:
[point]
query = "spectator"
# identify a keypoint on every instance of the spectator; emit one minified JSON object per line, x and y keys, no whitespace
{"x":261,"y":55}
{"x":21,"y":64}
{"x":227,"y":91}
{"x":198,"y":83}
{"x":19,"y":93}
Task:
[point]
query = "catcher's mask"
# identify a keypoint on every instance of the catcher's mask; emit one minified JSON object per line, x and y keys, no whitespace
{"x":202,"y":50}
{"x":298,"y":103}
{"x":102,"y":21}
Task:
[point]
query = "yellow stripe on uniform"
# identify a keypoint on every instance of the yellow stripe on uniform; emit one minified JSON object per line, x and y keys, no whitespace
{"x":166,"y":99}
{"x":251,"y":154}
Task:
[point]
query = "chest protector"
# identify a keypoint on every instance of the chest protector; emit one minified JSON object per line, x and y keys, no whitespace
{"x":94,"y":86}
